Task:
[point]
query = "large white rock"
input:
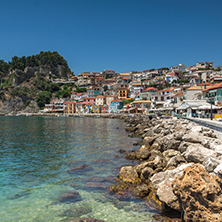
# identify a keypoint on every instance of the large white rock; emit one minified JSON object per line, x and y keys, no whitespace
{"x":197,"y":153}
{"x":163,"y":183}
{"x":210,"y":163}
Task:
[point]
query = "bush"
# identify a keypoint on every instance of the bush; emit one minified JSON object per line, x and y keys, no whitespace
{"x":43,"y":98}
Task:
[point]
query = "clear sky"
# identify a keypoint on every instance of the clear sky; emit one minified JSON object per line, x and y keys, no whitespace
{"x":123,"y":35}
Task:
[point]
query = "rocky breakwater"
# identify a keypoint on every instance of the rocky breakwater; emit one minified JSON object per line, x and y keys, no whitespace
{"x":179,"y":169}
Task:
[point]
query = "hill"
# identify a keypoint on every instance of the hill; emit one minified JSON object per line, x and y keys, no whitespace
{"x":23,"y":79}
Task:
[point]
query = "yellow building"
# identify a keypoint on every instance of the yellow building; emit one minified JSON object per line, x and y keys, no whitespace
{"x":122,"y":93}
{"x":96,"y":109}
{"x":69,"y":107}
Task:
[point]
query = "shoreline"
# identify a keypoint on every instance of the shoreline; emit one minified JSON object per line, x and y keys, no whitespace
{"x":173,"y":149}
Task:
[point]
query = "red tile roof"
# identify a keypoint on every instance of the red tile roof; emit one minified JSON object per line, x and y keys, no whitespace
{"x":214,"y":86}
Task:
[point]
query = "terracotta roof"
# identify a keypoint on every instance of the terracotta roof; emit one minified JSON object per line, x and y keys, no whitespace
{"x":100,"y":96}
{"x":178,"y":95}
{"x":89,"y":98}
{"x":79,"y":94}
{"x":214,"y":86}
{"x":116,"y":100}
{"x":206,"y":84}
{"x":195,"y":88}
{"x":70,"y":102}
{"x":168,"y":89}
{"x":149,"y":89}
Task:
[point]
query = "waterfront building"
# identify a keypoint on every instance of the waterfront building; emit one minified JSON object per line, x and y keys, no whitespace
{"x":115,"y":106}
{"x":100,"y":100}
{"x":69,"y":107}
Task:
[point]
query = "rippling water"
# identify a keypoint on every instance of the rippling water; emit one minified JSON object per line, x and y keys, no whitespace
{"x":36,"y":155}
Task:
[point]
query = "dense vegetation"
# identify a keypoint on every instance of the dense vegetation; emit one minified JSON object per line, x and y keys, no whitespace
{"x":31,"y":85}
{"x":43,"y":58}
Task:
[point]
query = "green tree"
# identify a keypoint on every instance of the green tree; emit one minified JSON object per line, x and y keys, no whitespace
{"x":105,"y":87}
{"x":43,"y":98}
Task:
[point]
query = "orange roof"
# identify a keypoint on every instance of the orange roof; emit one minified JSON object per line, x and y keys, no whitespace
{"x":70,"y":102}
{"x":79,"y":94}
{"x":168,"y":89}
{"x":206,"y":84}
{"x":149,"y":89}
{"x":214,"y":86}
{"x":178,"y":95}
{"x":116,"y":100}
{"x":100,"y":96}
{"x":89,"y":98}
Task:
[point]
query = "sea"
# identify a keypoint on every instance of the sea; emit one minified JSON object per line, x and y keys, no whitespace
{"x":45,"y":161}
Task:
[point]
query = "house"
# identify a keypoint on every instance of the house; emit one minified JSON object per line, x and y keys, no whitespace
{"x":105,"y":109}
{"x":69,"y":107}
{"x":107,"y":74}
{"x":194,"y":92}
{"x":213,"y":93}
{"x":204,"y":65}
{"x":55,"y":106}
{"x":171,"y":77}
{"x":100,"y":100}
{"x":109,"y":99}
{"x":180,"y":67}
{"x":163,"y":95}
{"x":148,"y":93}
{"x":122,"y":93}
{"x":96,"y":109}
{"x":90,"y":99}
{"x":142,"y":105}
{"x":115,"y":106}
{"x":76,"y":96}
{"x":194,"y":108}
{"x":125,"y":74}
{"x":195,"y":81}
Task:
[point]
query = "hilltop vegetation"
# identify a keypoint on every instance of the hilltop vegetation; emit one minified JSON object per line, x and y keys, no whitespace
{"x":24,"y":78}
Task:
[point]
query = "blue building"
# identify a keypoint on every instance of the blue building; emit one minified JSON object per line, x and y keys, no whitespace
{"x":115,"y":106}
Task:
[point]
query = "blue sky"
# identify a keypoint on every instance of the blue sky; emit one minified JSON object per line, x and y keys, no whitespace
{"x":123,"y":35}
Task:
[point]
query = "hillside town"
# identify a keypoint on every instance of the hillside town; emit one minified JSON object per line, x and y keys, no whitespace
{"x":194,"y":91}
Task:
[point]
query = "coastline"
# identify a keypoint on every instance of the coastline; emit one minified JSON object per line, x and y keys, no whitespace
{"x":173,"y":149}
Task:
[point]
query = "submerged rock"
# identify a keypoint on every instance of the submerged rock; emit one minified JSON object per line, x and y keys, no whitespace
{"x":80,"y":169}
{"x":85,"y":219}
{"x":70,"y":197}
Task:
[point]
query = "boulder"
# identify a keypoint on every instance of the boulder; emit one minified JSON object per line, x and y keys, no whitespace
{"x":144,"y":147}
{"x":143,"y":155}
{"x":141,"y":191}
{"x":146,"y":173}
{"x":129,"y":174}
{"x":163,"y":183}
{"x":199,"y":194}
{"x":183,"y":146}
{"x":210,"y":163}
{"x":218,"y":170}
{"x":168,"y":154}
{"x":197,"y":153}
{"x":175,"y":161}
{"x":193,"y":138}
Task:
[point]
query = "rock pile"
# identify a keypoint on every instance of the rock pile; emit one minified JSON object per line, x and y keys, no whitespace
{"x":179,"y":170}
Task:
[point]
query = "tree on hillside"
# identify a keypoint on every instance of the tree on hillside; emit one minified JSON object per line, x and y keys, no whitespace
{"x":43,"y":98}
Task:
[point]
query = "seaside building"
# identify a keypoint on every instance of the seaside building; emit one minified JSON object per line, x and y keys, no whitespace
{"x":100,"y":100}
{"x":69,"y":107}
{"x":115,"y":106}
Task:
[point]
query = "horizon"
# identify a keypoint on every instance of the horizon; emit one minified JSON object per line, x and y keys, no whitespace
{"x":121,"y":35}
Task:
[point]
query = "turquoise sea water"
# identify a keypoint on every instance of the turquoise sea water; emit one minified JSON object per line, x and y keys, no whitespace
{"x":36,"y":155}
